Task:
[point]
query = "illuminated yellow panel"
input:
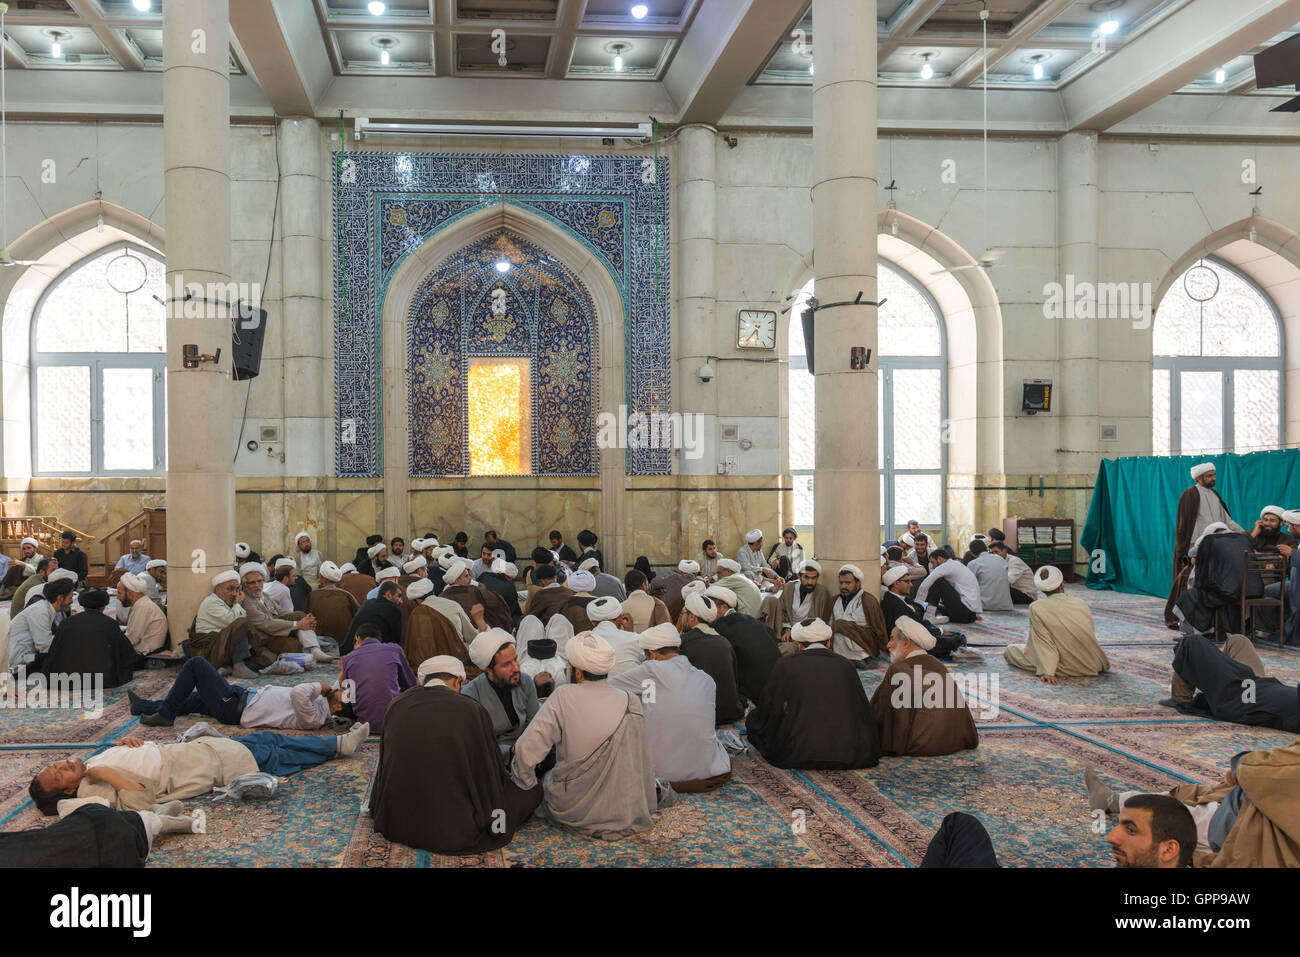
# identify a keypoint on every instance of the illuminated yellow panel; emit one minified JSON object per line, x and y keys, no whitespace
{"x":499,"y":442}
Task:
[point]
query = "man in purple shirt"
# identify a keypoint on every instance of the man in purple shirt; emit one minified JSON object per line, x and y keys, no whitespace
{"x":379,"y":672}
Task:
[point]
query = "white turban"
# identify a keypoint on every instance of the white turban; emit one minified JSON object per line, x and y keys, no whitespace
{"x":248,"y":568}
{"x":485,"y":647}
{"x":387,"y":573}
{"x":581,"y":581}
{"x":893,"y":575}
{"x":429,"y":543}
{"x":1274,"y":510}
{"x":604,"y":609}
{"x":133,"y":582}
{"x":979,"y":537}
{"x":853,"y":570}
{"x":697,"y":587}
{"x":813,"y":631}
{"x":285,"y":563}
{"x":722,"y":593}
{"x":1214,"y":528}
{"x":809,"y":563}
{"x":590,"y":565}
{"x":417,"y":545}
{"x":1048,"y":578}
{"x":498,"y":566}
{"x":702,"y":607}
{"x":445,"y":556}
{"x":156,"y":563}
{"x":660,"y":636}
{"x":906,"y":539}
{"x":1199,"y":470}
{"x":31,"y":541}
{"x":1292,"y":517}
{"x":915,"y":632}
{"x":330,"y":572}
{"x":300,"y":536}
{"x":242,"y":550}
{"x":754,"y":536}
{"x":61,"y":574}
{"x":375,"y":549}
{"x":729,"y":564}
{"x":589,"y":652}
{"x":415,"y":564}
{"x":347,"y":568}
{"x":508,"y":569}
{"x":440,"y":665}
{"x":454,"y":569}
{"x":418,"y":589}
{"x":688,"y":566}
{"x":221,"y":579}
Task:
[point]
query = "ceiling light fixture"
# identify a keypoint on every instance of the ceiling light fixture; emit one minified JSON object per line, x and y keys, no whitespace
{"x":618,"y":48}
{"x":810,"y":70}
{"x":502,"y":266}
{"x":141,"y":5}
{"x":927,"y":71}
{"x":1109,"y":27}
{"x":376,"y":8}
{"x":639,"y":10}
{"x":56,"y":48}
{"x":1036,"y":60}
{"x":1220,"y":75}
{"x":385,"y":44}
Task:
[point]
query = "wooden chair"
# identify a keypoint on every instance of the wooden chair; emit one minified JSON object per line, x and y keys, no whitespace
{"x":1268,"y":565}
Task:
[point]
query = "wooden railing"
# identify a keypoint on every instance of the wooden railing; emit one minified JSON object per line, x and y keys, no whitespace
{"x":46,"y":529}
{"x":150,"y":526}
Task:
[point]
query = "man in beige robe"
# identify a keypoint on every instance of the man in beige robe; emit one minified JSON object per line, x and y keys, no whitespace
{"x":646,"y":610}
{"x":747,"y":593}
{"x":281,"y":631}
{"x":1062,"y":640}
{"x":146,"y":623}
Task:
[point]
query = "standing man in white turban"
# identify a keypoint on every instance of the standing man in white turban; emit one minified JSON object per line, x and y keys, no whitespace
{"x":1062,"y":640}
{"x":146,"y":623}
{"x":603,"y":781}
{"x":918,"y":707}
{"x":678,"y":700}
{"x":506,"y":693}
{"x":1199,"y":505}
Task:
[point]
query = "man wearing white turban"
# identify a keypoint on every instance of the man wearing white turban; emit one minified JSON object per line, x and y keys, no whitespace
{"x":714,"y":655}
{"x":856,"y":619}
{"x":146,"y":623}
{"x":615,"y":625}
{"x":806,"y":597}
{"x":220,"y":630}
{"x":752,"y":565}
{"x":550,"y":596}
{"x":603,"y":781}
{"x":155,"y":574}
{"x":500,"y":579}
{"x":753,"y":642}
{"x":668,"y":588}
{"x":1062,"y":639}
{"x":1199,"y":505}
{"x":679,"y":704}
{"x":813,"y":712}
{"x":506,"y":693}
{"x":279,"y":631}
{"x":731,"y":575}
{"x":332,"y":606}
{"x":308,"y":559}
{"x":918,"y":706}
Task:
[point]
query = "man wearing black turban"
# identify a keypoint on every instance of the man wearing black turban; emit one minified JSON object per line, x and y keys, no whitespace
{"x":92,"y":643}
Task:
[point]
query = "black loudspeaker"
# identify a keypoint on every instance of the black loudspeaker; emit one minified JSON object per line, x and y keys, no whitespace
{"x":1036,"y":397}
{"x":806,"y":317}
{"x":246,"y":340}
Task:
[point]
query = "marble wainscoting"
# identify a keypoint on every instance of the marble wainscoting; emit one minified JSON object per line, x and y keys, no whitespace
{"x":521,"y":509}
{"x":338,"y":513}
{"x":95,"y":506}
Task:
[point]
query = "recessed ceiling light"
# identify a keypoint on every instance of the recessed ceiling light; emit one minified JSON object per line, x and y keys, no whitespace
{"x":502,"y":266}
{"x":617,"y":49}
{"x":1038,"y":71}
{"x":639,"y":11}
{"x":385,"y":44}
{"x":1220,"y":75}
{"x":141,"y":5}
{"x":56,"y":48}
{"x":376,"y":8}
{"x":1109,"y":27}
{"x":810,"y":70}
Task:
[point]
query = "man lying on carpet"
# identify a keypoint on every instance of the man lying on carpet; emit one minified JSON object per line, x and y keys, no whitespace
{"x":199,"y":689}
{"x":137,"y":775}
{"x":918,"y":705}
{"x":1062,"y":639}
{"x":1248,"y":819}
{"x":1233,"y":684}
{"x":91,"y":834}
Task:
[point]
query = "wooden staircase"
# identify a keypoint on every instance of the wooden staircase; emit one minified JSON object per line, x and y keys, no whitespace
{"x":150,"y":526}
{"x":46,"y":529}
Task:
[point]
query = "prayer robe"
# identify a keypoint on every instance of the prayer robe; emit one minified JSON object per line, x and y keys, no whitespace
{"x":668,"y":589}
{"x":714,"y":655}
{"x":1062,"y":640}
{"x":333,"y":608}
{"x":358,"y":585}
{"x":679,"y":704}
{"x":504,"y":589}
{"x":1198,"y":507}
{"x":455,"y":613}
{"x":91,"y":643}
{"x":379,"y":612}
{"x":813,"y":713}
{"x":859,"y":626}
{"x":602,"y":785}
{"x":547,"y":601}
{"x":756,"y":650}
{"x":626,"y":645}
{"x":575,"y":611}
{"x":429,"y":632}
{"x":920,"y":710}
{"x":495,"y":612}
{"x":749,"y":600}
{"x":795,"y":605}
{"x":995,"y":586}
{"x":91,"y":836}
{"x":440,"y":784}
{"x":146,"y":627}
{"x":31,"y":633}
{"x":275,"y":628}
{"x":523,"y":699}
{"x":646,"y":611}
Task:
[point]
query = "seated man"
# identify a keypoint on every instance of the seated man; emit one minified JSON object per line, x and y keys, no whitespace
{"x":155,"y":579}
{"x":383,"y":612}
{"x":714,"y":655}
{"x":30,"y":557}
{"x":137,"y":775}
{"x":146,"y":623}
{"x":431,"y":630}
{"x":1062,"y":641}
{"x":220,"y":631}
{"x":805,"y":598}
{"x":550,"y":597}
{"x":747,"y":593}
{"x":469,"y":624}
{"x":607,"y":586}
{"x":484,"y":562}
{"x":786,"y":556}
{"x":856,"y":620}
{"x":279,"y":588}
{"x":500,"y":581}
{"x":469,"y":595}
{"x":668,"y":588}
{"x":915,"y":547}
{"x":562,"y":551}
{"x":279,"y":631}
{"x":540,"y":658}
{"x":645,"y":609}
{"x":749,"y":558}
{"x":587,"y":540}
{"x":603,"y":783}
{"x":753,"y":642}
{"x":507,"y":695}
{"x":614,"y":625}
{"x":44,"y":569}
{"x":961,"y":841}
{"x":896,"y":602}
{"x":1233,"y":683}
{"x":813,"y":712}
{"x":379,"y":673}
{"x":199,"y":689}
{"x":32,"y":632}
{"x":951,"y":590}
{"x":440,"y":785}
{"x":92,"y":643}
{"x":135,"y":560}
{"x":332,"y":606}
{"x":1020,"y":577}
{"x":918,"y":707}
{"x":990,"y":570}
{"x":679,"y":703}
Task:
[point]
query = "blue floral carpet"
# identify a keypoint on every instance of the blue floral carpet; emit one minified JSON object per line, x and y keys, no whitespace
{"x":1024,"y":781}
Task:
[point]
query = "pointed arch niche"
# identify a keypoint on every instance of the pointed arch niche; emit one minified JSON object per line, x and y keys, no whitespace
{"x":540,"y":500}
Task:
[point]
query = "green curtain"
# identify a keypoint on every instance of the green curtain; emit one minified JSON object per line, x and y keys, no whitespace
{"x":1129,"y":535}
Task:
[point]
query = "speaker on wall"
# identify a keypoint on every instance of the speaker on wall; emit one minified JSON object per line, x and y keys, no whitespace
{"x":806,"y":317}
{"x":1036,"y":397}
{"x":246,"y":340}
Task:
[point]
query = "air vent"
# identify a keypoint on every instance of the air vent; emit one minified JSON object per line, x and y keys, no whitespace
{"x":1110,"y":433}
{"x":729,"y":432}
{"x":269,"y":433}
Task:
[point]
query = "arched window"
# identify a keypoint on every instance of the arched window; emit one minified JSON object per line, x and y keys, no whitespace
{"x":913,"y":402}
{"x":98,"y":353}
{"x":1217,"y":382}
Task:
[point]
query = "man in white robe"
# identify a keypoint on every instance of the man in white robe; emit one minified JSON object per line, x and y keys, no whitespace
{"x":615,"y":625}
{"x":146,"y":623}
{"x":283,"y":576}
{"x":750,"y":559}
{"x":308,"y":558}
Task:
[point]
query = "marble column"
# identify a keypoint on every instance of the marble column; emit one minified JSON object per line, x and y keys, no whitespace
{"x":697,"y":229}
{"x":847,"y":478}
{"x":196,"y":185}
{"x":1075,"y":396}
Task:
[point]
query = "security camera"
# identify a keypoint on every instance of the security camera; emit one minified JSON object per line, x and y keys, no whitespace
{"x":705,"y":372}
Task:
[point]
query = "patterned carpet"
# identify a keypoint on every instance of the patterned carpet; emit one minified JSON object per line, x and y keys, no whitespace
{"x":1024,"y":781}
